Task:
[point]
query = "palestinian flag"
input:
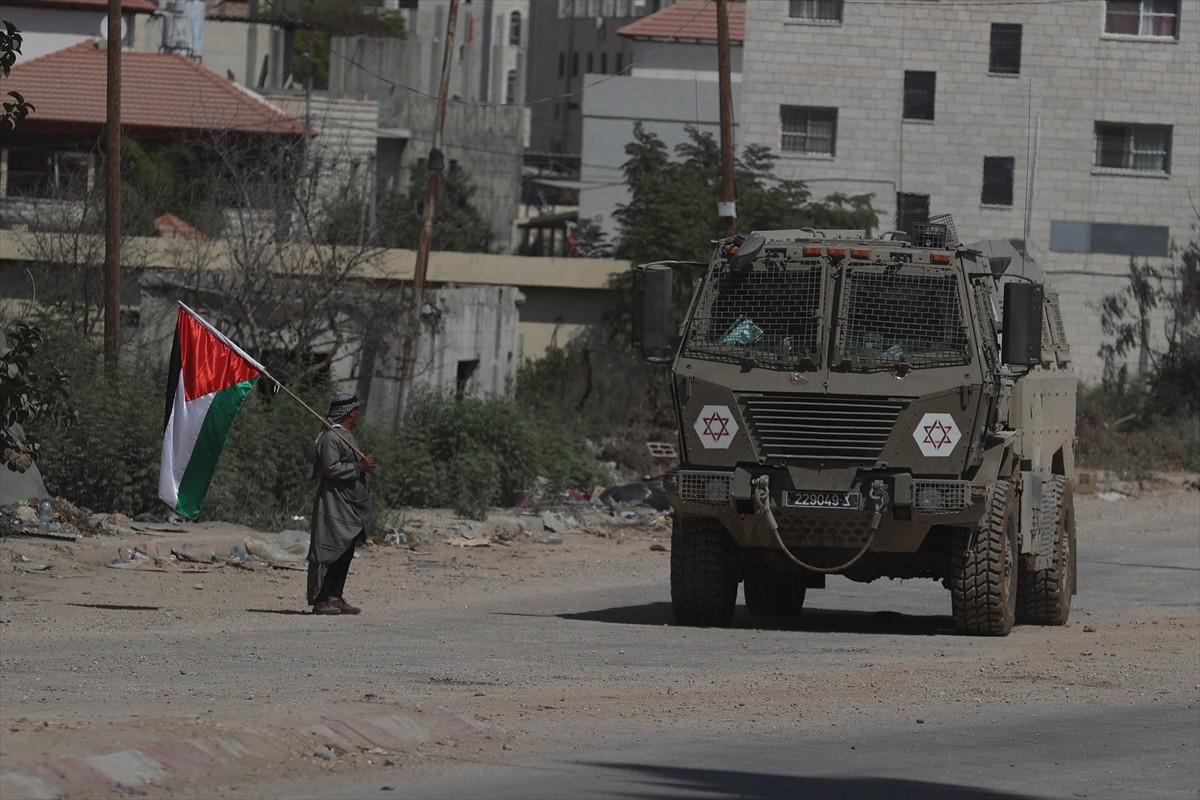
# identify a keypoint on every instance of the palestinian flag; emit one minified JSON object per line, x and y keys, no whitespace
{"x":209,"y":378}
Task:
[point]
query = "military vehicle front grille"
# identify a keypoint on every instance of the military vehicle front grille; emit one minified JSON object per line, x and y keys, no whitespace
{"x":939,"y":497}
{"x":709,"y":488}
{"x":786,"y":425}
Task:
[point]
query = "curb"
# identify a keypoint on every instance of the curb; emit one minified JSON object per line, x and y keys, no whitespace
{"x":125,"y":770}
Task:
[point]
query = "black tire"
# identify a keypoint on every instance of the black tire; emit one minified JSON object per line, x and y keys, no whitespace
{"x":1044,"y":595}
{"x":983,"y":581}
{"x":773,"y":594}
{"x":703,"y":583}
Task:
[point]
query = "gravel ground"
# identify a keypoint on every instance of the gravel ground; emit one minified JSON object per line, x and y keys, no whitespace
{"x":97,"y":657}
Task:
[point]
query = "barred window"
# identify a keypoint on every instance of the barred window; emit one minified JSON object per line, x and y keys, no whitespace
{"x":1139,"y":148}
{"x":1142,"y":17}
{"x":819,"y":10}
{"x":911,"y":210}
{"x":808,"y":129}
{"x":1005,"y":56}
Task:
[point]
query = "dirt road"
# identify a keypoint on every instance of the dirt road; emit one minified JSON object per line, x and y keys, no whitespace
{"x":538,"y":641}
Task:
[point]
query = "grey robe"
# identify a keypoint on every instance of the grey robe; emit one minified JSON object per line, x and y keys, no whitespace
{"x":342,"y":514}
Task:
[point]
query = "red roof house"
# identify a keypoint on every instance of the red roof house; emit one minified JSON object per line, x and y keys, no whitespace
{"x":688,"y":21}
{"x":163,"y":96}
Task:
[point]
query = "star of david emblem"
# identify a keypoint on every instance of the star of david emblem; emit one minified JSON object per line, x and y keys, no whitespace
{"x":716,"y":427}
{"x":937,"y":434}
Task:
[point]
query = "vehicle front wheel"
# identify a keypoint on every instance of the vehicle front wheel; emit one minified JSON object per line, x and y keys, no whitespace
{"x":983,"y":579}
{"x":703,"y":583}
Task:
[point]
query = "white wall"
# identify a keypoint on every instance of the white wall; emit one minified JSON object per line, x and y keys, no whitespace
{"x":1072,"y":75}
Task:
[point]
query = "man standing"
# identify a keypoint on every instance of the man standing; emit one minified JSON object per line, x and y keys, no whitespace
{"x":342,"y":514}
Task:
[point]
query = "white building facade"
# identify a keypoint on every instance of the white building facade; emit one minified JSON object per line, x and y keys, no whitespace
{"x":1072,"y":125}
{"x":671,"y":87}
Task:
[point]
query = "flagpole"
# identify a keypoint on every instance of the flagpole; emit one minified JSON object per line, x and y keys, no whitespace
{"x":317,"y":414}
{"x":268,"y":375}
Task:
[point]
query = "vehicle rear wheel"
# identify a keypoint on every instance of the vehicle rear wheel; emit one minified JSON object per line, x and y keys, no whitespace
{"x":983,"y":581}
{"x":1044,"y":595}
{"x":773,"y":594}
{"x":703,"y":583}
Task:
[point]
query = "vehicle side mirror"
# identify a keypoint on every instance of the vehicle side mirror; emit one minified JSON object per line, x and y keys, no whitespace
{"x":653,"y":332}
{"x":1022,"y":324}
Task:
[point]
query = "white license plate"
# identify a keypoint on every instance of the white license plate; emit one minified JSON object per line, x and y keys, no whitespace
{"x":849,"y":501}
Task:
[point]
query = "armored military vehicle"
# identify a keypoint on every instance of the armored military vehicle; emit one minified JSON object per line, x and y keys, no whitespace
{"x":892,"y":407}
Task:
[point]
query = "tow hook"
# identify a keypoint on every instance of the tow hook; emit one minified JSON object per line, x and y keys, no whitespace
{"x":762,"y":495}
{"x":762,"y":502}
{"x":879,"y":496}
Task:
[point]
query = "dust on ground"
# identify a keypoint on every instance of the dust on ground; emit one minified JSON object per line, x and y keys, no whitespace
{"x":220,"y":575}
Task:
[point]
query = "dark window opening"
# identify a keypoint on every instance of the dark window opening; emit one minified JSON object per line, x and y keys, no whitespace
{"x":1138,"y":148}
{"x":462,"y":382}
{"x":919,"y":91}
{"x":1005,"y":56}
{"x":1142,"y":18}
{"x":911,"y":210}
{"x":998,"y":176}
{"x":819,"y":10}
{"x":514,"y":28}
{"x":806,"y":129}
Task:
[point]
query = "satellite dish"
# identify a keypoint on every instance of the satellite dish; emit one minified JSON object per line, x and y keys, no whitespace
{"x":104,"y":28}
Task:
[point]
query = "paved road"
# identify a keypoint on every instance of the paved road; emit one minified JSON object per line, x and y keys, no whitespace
{"x":868,"y":695}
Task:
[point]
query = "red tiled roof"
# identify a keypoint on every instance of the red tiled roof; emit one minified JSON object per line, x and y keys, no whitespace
{"x":172,"y":227}
{"x":689,"y":21}
{"x":129,"y":6}
{"x":158,"y":91}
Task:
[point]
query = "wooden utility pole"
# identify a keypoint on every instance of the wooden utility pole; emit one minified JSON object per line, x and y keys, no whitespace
{"x":436,"y":163}
{"x":728,"y":205}
{"x":112,"y":196}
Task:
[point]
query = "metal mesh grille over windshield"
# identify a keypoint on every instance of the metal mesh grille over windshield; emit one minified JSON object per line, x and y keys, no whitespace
{"x":893,"y":317}
{"x":770,"y":313}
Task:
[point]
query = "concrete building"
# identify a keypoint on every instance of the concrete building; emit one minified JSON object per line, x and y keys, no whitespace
{"x":671,"y":85}
{"x":50,"y":25}
{"x":1072,"y":125}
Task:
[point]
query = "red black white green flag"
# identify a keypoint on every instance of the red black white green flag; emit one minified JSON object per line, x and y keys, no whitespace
{"x":209,"y":378}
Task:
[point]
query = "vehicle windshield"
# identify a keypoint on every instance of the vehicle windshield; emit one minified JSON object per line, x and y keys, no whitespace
{"x":900,"y":315}
{"x":769,"y":312}
{"x":773,"y":313}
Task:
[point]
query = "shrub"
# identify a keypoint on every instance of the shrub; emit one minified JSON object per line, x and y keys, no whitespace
{"x":473,"y":453}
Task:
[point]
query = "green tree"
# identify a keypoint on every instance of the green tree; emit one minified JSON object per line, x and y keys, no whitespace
{"x":31,"y":391}
{"x":457,"y":224}
{"x":1167,"y":378}
{"x":672,"y":211}
{"x":14,"y":112}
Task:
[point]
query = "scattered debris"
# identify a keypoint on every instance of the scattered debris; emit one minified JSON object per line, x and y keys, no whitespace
{"x":646,"y":492}
{"x":468,"y":541}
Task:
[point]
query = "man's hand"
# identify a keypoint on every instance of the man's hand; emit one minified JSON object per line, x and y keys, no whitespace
{"x":366,"y":463}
